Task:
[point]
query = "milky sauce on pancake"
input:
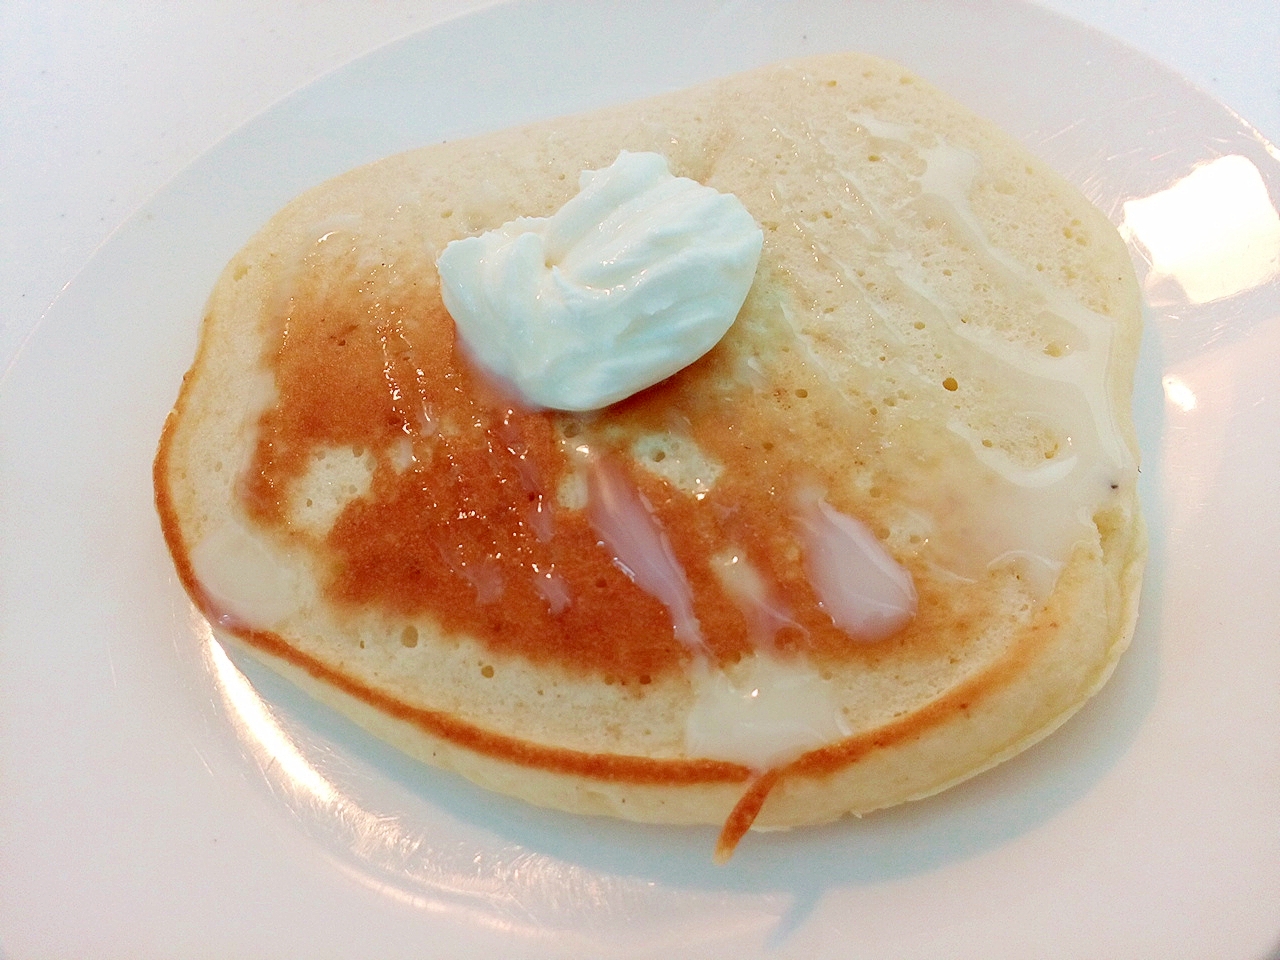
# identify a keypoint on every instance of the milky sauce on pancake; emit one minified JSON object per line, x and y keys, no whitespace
{"x":463,"y":519}
{"x":838,"y":530}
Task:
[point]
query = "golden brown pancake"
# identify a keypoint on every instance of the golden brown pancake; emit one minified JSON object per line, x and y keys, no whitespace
{"x":939,"y":344}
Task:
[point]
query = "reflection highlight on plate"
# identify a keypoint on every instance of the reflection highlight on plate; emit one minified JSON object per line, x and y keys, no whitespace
{"x":1215,"y":232}
{"x":378,"y":841}
{"x":262,"y":730}
{"x":1179,"y":393}
{"x":504,"y":887}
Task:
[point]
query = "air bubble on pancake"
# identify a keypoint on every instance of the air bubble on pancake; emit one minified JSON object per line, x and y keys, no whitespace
{"x":679,"y":461}
{"x":334,"y":477}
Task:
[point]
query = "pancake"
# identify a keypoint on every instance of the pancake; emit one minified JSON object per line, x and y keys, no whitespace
{"x":931,"y":372}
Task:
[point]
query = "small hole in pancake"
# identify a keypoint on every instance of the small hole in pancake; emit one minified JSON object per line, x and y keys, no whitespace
{"x":802,"y":393}
{"x":486,"y":671}
{"x":409,"y":636}
{"x":950,"y":384}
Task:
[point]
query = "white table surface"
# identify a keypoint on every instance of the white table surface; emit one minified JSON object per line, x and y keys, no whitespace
{"x":101,"y":104}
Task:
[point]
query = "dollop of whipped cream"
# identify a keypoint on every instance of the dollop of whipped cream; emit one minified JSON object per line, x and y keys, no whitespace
{"x":633,"y":279}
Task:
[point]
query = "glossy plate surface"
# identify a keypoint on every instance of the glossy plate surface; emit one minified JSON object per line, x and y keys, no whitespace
{"x":155,"y":802}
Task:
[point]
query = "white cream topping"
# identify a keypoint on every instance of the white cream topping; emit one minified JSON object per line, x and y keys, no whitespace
{"x":633,"y":279}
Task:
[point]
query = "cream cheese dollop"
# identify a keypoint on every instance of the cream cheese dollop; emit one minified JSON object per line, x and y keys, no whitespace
{"x":633,"y":279}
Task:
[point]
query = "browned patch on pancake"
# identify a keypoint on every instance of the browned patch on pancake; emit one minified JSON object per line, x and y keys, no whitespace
{"x":603,"y":767}
{"x":367,"y":358}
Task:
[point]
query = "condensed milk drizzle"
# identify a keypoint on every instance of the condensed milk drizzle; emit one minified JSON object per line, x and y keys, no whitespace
{"x":630,"y":529}
{"x":1032,"y":512}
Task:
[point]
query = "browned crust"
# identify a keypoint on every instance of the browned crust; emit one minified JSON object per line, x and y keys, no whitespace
{"x":602,"y":767}
{"x":605,"y":767}
{"x":744,"y":814}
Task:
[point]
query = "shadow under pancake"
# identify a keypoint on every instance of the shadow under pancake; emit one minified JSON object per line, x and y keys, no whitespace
{"x":434,"y":841}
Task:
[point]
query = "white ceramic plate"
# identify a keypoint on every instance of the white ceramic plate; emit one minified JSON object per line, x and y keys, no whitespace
{"x":153,"y":804}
